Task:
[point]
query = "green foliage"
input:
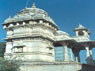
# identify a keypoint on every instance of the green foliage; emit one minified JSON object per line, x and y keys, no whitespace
{"x":9,"y":65}
{"x":2,"y":48}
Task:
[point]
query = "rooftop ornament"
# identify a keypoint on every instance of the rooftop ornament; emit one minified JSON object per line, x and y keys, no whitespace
{"x":34,"y":5}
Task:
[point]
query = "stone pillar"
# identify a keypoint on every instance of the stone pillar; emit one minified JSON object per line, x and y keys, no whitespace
{"x":76,"y":59}
{"x":91,"y":58}
{"x":90,"y":51}
{"x":76,"y":33}
{"x":78,"y":56}
{"x":65,"y":53}
{"x":87,"y":51}
{"x":71,"y":54}
{"x":88,"y":55}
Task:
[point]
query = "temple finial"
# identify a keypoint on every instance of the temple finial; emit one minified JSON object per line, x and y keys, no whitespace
{"x":34,"y":6}
{"x":80,"y":25}
{"x":26,"y":3}
{"x":9,"y":17}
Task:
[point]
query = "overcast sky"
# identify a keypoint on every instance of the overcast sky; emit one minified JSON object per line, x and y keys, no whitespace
{"x":66,"y":13}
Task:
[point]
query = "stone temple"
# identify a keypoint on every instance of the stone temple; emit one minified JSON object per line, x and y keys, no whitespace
{"x":34,"y":37}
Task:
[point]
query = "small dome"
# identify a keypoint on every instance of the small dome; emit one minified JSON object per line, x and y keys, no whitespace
{"x":81,"y":27}
{"x":8,"y":20}
{"x":61,"y":33}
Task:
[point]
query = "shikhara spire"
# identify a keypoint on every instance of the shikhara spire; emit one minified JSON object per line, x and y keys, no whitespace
{"x":34,"y":6}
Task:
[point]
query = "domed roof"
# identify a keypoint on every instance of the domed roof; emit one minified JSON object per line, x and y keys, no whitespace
{"x":61,"y":35}
{"x":59,"y":32}
{"x":9,"y":19}
{"x":30,"y":14}
{"x":80,"y":27}
{"x":33,"y":11}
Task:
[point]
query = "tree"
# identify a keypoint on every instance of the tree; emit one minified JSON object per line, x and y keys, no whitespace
{"x":9,"y":65}
{"x":2,"y":48}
